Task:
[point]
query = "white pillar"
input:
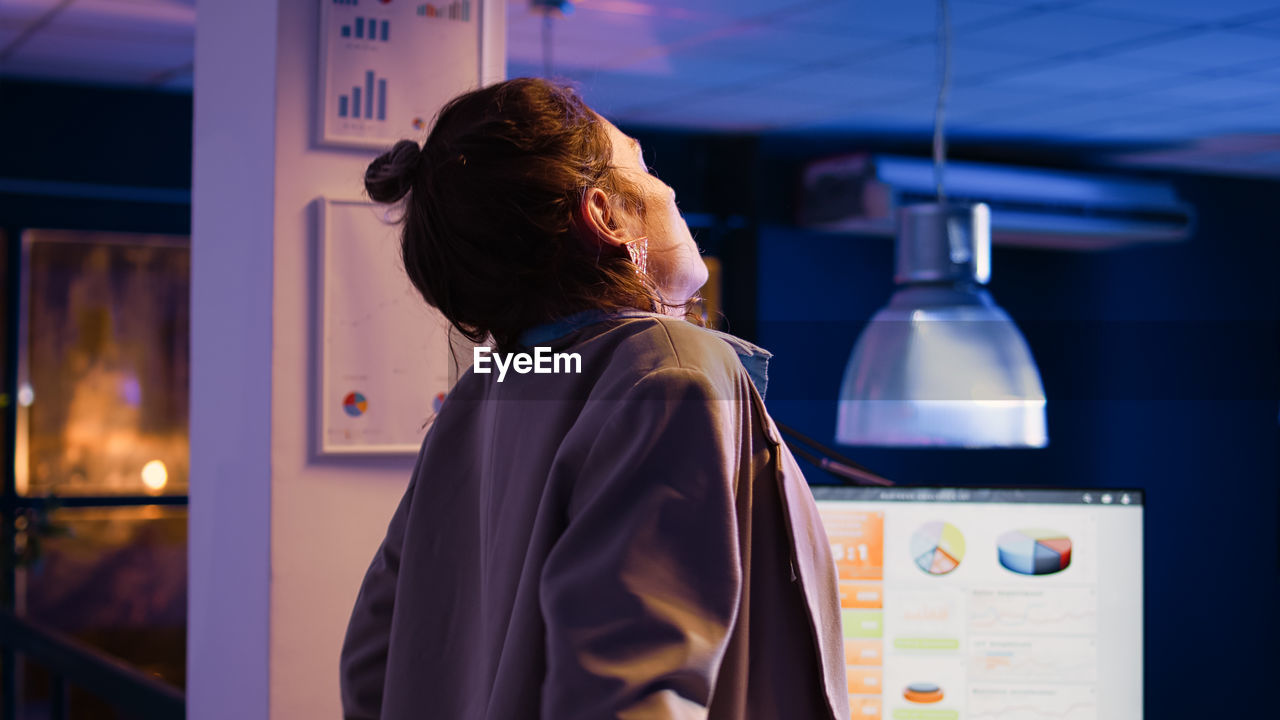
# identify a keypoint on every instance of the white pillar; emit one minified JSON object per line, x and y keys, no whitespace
{"x":278,"y":538}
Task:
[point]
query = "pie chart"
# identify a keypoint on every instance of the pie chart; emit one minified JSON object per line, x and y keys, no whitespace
{"x":937,"y":547}
{"x":922,"y":693}
{"x":354,"y":404}
{"x":1034,"y":551}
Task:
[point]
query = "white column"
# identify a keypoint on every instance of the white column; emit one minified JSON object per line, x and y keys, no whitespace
{"x":279,"y":538}
{"x":232,"y":218}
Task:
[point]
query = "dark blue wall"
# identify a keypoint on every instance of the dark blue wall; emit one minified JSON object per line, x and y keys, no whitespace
{"x":94,"y":158}
{"x":1161,"y":368}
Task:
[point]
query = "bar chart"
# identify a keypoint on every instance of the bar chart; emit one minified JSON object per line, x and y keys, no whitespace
{"x":377,"y":85}
{"x":368,"y":28}
{"x":459,"y":10}
{"x":364,"y":102}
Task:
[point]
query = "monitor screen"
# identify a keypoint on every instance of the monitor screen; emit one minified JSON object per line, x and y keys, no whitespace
{"x":989,"y":604}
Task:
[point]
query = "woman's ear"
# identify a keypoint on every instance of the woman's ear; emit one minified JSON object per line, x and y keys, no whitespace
{"x":599,"y":220}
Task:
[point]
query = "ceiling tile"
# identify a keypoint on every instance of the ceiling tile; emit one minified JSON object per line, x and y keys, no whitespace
{"x":620,"y":95}
{"x":850,"y":85}
{"x":18,"y":13}
{"x":1081,"y":111}
{"x":1092,"y":76}
{"x":775,"y":45}
{"x":897,"y":19}
{"x":699,"y":72}
{"x":97,"y":41}
{"x":8,"y":33}
{"x":919,"y":61}
{"x":715,"y":10}
{"x":1203,"y":51}
{"x":1270,"y":25}
{"x":734,"y":111}
{"x":69,"y":43}
{"x":896,"y":117}
{"x":1004,"y":99}
{"x":593,"y":39}
{"x":1182,"y":11}
{"x":1266,"y":74}
{"x":1190,"y":90}
{"x":1065,"y":32}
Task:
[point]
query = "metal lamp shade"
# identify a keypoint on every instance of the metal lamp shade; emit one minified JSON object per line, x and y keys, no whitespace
{"x":942,"y":364}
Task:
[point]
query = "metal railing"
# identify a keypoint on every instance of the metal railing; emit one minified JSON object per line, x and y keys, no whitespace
{"x":71,"y":663}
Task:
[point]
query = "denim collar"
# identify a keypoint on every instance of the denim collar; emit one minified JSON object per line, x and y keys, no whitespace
{"x":754,"y":359}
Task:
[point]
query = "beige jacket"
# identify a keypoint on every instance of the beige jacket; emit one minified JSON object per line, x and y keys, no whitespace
{"x":630,"y":542}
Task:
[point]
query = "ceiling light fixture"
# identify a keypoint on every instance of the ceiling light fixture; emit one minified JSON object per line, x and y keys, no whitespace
{"x":942,"y":364}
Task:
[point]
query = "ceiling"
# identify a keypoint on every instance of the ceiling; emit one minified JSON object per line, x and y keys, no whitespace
{"x":1200,"y":78}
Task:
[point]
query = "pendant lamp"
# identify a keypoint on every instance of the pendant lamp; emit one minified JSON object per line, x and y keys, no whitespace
{"x":941,"y":364}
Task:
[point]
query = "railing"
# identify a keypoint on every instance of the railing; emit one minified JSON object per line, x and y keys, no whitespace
{"x":70,"y":662}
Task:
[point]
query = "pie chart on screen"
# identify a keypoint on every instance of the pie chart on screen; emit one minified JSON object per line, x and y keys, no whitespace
{"x":923,"y":693}
{"x":354,"y":404}
{"x":937,"y":547}
{"x":1034,"y":551}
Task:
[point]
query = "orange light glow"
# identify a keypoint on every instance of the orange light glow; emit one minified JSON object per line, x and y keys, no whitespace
{"x":155,"y":476}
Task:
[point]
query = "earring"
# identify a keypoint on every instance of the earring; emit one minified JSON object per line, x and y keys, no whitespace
{"x":638,"y":249}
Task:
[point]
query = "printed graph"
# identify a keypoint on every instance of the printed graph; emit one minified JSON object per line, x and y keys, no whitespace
{"x":420,"y":55}
{"x":355,"y":404}
{"x":364,"y":102}
{"x":371,"y":29}
{"x":460,"y":11}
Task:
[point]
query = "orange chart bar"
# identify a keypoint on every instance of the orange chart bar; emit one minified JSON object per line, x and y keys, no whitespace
{"x":863,"y":652}
{"x":865,"y":681}
{"x":855,"y":595}
{"x":864,"y":708}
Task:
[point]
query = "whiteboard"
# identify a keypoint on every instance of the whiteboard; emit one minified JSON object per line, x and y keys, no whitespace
{"x":384,"y":353}
{"x":387,"y":67}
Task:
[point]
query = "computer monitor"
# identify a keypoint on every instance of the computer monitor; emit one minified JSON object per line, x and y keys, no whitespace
{"x":989,"y":604}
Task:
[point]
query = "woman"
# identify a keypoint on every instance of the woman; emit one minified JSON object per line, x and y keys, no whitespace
{"x":628,"y":541}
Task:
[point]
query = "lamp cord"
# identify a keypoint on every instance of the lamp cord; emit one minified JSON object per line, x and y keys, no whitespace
{"x":944,"y":88}
{"x":846,"y":470}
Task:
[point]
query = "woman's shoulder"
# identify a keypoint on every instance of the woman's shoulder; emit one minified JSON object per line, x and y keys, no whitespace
{"x":658,"y":345}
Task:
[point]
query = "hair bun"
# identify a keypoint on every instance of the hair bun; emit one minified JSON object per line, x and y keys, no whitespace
{"x":390,"y":176}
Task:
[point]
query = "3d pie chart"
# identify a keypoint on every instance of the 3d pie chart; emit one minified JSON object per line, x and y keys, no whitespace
{"x":922,"y":693}
{"x":937,"y":547}
{"x":354,"y":404}
{"x":1034,"y":551}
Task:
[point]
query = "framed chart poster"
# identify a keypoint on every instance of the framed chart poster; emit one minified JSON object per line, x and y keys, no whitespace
{"x":387,"y":66}
{"x":384,"y":353}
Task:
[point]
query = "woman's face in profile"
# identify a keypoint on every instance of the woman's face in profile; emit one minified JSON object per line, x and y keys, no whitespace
{"x":674,"y":261}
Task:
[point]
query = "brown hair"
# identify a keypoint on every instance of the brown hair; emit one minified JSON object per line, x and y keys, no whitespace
{"x":489,"y":234}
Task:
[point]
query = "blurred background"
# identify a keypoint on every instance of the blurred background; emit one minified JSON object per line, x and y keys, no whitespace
{"x":1160,"y":359}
